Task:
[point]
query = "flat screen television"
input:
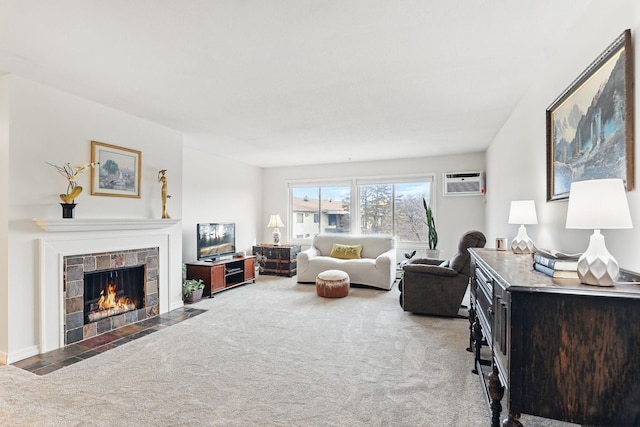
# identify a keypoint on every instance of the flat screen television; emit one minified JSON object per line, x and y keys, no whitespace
{"x":215,"y":240}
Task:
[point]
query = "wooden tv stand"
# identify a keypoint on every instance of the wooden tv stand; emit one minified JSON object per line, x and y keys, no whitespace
{"x":223,"y":274}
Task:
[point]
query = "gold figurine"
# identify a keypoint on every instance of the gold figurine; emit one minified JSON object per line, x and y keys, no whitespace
{"x":163,"y":180}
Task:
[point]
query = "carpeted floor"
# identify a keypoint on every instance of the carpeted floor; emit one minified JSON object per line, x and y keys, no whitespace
{"x":267,"y":354}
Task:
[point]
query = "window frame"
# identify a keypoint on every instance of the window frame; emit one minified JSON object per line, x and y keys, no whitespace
{"x":354,"y":207}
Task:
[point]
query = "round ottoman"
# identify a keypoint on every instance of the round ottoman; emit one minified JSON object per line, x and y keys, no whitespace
{"x":332,"y":284}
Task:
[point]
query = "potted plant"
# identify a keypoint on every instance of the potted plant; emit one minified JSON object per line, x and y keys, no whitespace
{"x":432,"y":252}
{"x":192,"y":290}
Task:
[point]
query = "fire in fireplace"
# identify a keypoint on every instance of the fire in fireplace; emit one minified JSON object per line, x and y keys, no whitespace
{"x":111,"y":292}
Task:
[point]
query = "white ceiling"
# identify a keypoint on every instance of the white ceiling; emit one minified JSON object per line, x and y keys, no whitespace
{"x":291,"y":82}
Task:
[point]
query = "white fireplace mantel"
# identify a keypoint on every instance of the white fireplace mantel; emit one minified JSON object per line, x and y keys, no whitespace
{"x":67,"y":237}
{"x":72,"y":224}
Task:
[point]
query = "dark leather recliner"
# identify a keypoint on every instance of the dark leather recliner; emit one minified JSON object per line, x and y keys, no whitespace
{"x":436,"y":287}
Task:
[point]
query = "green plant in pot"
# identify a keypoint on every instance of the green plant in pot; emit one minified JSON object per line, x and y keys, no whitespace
{"x":432,"y":252}
{"x":192,"y":289}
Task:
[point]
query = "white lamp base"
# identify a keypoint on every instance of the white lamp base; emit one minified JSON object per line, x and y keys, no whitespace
{"x":597,"y":266}
{"x":522,"y":244}
{"x":276,"y":236}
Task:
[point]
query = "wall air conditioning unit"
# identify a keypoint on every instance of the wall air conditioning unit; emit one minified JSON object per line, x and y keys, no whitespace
{"x":463,"y":183}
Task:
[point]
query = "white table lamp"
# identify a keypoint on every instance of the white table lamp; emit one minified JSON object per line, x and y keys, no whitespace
{"x":598,"y":204}
{"x":275,"y":222}
{"x":522,"y":212}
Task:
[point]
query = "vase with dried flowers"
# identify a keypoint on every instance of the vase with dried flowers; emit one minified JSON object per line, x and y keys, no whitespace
{"x":73,"y":189}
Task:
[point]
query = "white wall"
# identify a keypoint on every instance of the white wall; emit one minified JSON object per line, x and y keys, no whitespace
{"x":454,"y":215}
{"x":216,"y":189}
{"x":49,"y":125}
{"x":516,"y":159}
{"x":4,"y":214}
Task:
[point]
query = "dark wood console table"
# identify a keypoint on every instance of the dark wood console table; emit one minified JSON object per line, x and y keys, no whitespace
{"x":558,"y":349}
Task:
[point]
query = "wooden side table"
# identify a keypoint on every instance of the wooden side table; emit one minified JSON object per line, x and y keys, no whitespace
{"x":281,"y":260}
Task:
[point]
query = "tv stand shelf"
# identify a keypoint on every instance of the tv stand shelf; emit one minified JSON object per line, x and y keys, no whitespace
{"x":223,"y":274}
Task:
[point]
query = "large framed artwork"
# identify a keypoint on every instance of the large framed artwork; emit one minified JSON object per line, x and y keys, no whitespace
{"x":590,"y":125}
{"x":118,"y":173}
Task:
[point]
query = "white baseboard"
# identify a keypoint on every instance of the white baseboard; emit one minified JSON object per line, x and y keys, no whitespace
{"x":177,"y":304}
{"x":13,"y":357}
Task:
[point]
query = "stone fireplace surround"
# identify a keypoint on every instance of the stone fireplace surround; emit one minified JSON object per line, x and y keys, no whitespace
{"x":75,"y":267}
{"x":69,"y":237}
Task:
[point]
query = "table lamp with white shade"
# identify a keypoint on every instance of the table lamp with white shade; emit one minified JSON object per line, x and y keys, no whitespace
{"x":274,"y":222}
{"x":522,"y":212}
{"x":598,"y":204}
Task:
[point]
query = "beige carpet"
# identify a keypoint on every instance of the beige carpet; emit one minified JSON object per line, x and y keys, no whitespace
{"x":267,"y":354}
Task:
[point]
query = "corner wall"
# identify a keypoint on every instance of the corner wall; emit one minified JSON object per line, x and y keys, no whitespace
{"x":216,"y":189}
{"x":516,"y":159}
{"x":47,"y":125}
{"x":4,"y":217}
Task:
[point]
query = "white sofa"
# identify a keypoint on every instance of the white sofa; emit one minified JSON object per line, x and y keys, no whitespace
{"x":376,"y":267}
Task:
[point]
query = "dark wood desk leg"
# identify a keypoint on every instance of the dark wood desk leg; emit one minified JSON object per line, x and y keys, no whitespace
{"x":472,"y":319}
{"x":496,"y":392}
{"x":477,"y":344}
{"x":512,"y":421}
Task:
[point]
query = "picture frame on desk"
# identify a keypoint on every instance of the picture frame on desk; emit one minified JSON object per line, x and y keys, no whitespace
{"x":590,"y":125}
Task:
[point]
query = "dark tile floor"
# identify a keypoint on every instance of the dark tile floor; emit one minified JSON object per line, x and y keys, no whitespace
{"x":43,"y":364}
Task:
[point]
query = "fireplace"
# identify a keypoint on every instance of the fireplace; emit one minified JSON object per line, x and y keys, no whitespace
{"x":106,"y":291}
{"x":111,"y":292}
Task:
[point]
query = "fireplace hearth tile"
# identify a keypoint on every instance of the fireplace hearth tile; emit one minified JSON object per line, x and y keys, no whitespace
{"x":75,"y":288}
{"x":99,"y":340}
{"x":75,"y":320}
{"x":75,"y":272}
{"x":43,"y":364}
{"x":103,"y":262}
{"x":74,"y":260}
{"x":117,"y":321}
{"x":103,"y":325}
{"x":152,"y":311}
{"x":89,"y":263}
{"x":105,"y":347}
{"x":31,"y":364}
{"x":47,"y":369}
{"x":130,"y":317}
{"x":128,"y":330}
{"x":131,"y":258}
{"x":90,"y":330}
{"x":75,"y":305}
{"x":152,"y":286}
{"x":117,"y":260}
{"x":152,"y":299}
{"x":88,"y":354}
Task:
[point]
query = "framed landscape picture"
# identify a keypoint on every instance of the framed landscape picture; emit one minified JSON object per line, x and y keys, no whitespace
{"x":590,"y":125}
{"x":118,"y":173}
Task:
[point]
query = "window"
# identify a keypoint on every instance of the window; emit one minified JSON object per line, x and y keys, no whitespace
{"x":323,"y":209}
{"x":389,"y":205}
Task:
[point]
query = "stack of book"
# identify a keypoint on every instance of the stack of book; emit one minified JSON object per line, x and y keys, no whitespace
{"x":556,"y":264}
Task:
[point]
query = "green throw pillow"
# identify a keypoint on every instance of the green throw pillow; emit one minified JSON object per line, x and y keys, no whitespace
{"x":345,"y":251}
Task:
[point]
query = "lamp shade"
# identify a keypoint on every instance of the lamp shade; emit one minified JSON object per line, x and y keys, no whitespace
{"x":598,"y":204}
{"x":275,"y":221}
{"x":523,"y":212}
